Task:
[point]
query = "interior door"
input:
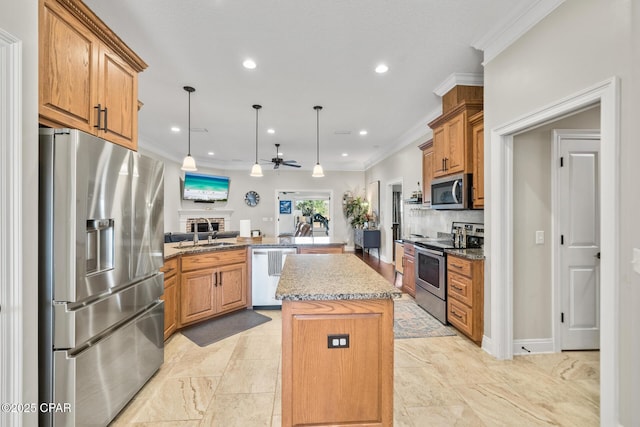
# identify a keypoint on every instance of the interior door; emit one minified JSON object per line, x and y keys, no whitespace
{"x":579,"y":212}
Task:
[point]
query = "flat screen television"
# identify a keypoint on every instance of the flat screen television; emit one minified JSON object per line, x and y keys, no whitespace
{"x":205,"y":188}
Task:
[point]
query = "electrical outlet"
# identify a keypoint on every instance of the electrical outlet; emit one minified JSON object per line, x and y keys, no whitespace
{"x":636,"y":260}
{"x":539,"y":237}
{"x":338,"y":341}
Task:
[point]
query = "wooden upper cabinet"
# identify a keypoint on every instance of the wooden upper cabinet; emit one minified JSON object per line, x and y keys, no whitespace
{"x":68,"y":68}
{"x":452,"y":133}
{"x":477,"y":137}
{"x":88,"y":76}
{"x":118,"y":89}
{"x":427,"y":170}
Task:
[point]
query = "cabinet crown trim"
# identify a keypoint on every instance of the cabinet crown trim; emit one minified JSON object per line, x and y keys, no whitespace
{"x":104,"y":33}
{"x":464,"y":105}
{"x":426,"y":145}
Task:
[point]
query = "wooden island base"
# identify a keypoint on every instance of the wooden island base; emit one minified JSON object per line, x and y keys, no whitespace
{"x":324,"y":386}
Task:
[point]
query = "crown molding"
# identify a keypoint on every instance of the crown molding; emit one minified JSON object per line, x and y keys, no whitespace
{"x":455,"y":79}
{"x":514,"y":26}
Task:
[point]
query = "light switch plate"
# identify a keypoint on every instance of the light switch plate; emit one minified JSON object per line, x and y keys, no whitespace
{"x":636,"y":260}
{"x":539,"y":237}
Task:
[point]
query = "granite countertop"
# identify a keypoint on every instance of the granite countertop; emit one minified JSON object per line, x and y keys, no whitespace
{"x":472,"y":254}
{"x":331,"y":277}
{"x":174,"y":249}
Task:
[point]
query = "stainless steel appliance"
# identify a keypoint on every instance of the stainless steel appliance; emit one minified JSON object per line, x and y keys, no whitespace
{"x":266,"y":265}
{"x":451,"y":192}
{"x":101,"y":247}
{"x":431,"y":265}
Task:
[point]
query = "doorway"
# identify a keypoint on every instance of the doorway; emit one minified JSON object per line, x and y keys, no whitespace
{"x":499,"y":275}
{"x":304,"y":213}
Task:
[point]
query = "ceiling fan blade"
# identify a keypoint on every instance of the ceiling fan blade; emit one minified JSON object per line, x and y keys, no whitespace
{"x":276,"y":165}
{"x":295,"y":165}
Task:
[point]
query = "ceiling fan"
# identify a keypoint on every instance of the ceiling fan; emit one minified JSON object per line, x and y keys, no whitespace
{"x":277,"y":160}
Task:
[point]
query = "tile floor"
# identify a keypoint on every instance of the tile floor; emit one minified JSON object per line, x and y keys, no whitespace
{"x":442,"y":381}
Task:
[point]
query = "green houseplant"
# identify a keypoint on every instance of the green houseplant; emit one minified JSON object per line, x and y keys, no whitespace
{"x":355,"y":210}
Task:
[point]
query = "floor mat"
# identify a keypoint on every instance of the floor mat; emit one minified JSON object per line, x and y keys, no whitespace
{"x":411,"y":321}
{"x":213,"y":330}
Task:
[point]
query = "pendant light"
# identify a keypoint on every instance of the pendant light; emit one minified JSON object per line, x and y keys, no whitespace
{"x":189,"y":164}
{"x":317,"y":169}
{"x":256,"y":170}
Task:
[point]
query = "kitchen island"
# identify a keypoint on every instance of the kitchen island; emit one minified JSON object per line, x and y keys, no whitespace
{"x":337,"y":342}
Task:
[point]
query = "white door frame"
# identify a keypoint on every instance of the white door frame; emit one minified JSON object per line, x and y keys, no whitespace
{"x":277,"y":208}
{"x":388,"y":208}
{"x":556,"y":282}
{"x":500,"y":256}
{"x":11,"y":283}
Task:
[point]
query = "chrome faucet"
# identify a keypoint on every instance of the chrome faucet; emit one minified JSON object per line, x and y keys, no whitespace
{"x":195,"y":228}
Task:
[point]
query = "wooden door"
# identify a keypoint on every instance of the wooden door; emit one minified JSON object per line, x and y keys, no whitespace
{"x":231,"y":287}
{"x":456,"y":141}
{"x":439,"y":151}
{"x":68,"y":64}
{"x":477,"y":135}
{"x":170,"y":298}
{"x":197,"y":295}
{"x":409,"y":275}
{"x":117,"y":92}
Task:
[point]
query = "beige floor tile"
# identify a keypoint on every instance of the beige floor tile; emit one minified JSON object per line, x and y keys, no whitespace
{"x":401,"y":417}
{"x":276,"y":421}
{"x":179,"y":399}
{"x":239,"y":410}
{"x":250,"y":376}
{"x":210,"y":361}
{"x":444,"y":416}
{"x":257,"y":347}
{"x":500,"y":405}
{"x":422,"y":387}
{"x":569,"y":365}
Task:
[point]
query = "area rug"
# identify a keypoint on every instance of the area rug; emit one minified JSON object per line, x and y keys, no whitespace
{"x":411,"y":321}
{"x":213,"y":330}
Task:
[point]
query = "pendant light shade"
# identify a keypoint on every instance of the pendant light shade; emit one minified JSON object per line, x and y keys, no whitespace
{"x":256,"y":169}
{"x":189,"y":163}
{"x":317,"y":169}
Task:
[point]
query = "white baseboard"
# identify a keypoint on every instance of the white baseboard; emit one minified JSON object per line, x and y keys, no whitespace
{"x":533,"y":346}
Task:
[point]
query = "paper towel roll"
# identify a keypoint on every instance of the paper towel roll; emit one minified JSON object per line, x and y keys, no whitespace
{"x":245,"y":228}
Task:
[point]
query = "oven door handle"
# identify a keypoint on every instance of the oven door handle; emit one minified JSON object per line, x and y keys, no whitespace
{"x":430,"y":252}
{"x":453,"y":191}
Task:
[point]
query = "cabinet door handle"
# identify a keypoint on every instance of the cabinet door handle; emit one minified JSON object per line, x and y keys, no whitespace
{"x":457,"y":288}
{"x":221,"y":279}
{"x":105,"y":119}
{"x":473,"y":194}
{"x":215,"y":283}
{"x":456,"y":314}
{"x":456,"y":266}
{"x":98,"y":107}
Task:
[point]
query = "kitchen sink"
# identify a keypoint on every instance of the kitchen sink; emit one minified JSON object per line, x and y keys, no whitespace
{"x":214,"y":244}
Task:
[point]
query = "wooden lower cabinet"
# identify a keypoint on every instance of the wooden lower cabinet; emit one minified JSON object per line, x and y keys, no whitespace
{"x":409,"y":270}
{"x":324,"y":386}
{"x":212,"y":284}
{"x":171,"y":296}
{"x":465,"y":291}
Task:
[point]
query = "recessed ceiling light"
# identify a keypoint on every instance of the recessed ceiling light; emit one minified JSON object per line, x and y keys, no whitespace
{"x":175,"y":129}
{"x":210,"y":153}
{"x":271,"y":131}
{"x":363,"y":132}
{"x":345,"y":154}
{"x":382,"y":68}
{"x":249,"y":64}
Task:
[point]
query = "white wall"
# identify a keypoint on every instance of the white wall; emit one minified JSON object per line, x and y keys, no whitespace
{"x":532,"y":292}
{"x":20,"y":18}
{"x":264,"y":215}
{"x":579,"y":45}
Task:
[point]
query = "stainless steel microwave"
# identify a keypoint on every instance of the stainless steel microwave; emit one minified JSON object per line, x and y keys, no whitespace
{"x":451,"y":192}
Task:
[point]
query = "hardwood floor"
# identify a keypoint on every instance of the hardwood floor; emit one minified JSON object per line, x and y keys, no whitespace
{"x":441,"y":381}
{"x":386,"y":270}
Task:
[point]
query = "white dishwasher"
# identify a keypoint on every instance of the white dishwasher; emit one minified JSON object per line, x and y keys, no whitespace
{"x":266,"y":265}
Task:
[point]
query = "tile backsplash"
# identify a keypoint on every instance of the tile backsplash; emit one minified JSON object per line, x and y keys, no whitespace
{"x":430,"y":222}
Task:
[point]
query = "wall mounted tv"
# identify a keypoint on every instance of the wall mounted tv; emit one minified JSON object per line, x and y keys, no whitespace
{"x":205,"y":188}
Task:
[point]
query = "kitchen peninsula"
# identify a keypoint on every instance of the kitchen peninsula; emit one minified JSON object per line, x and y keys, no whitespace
{"x":337,"y":342}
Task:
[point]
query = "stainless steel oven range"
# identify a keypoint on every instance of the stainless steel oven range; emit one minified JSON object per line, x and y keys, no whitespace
{"x":431,"y":265}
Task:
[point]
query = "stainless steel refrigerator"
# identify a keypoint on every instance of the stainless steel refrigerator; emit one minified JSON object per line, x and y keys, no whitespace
{"x":100,"y":250}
